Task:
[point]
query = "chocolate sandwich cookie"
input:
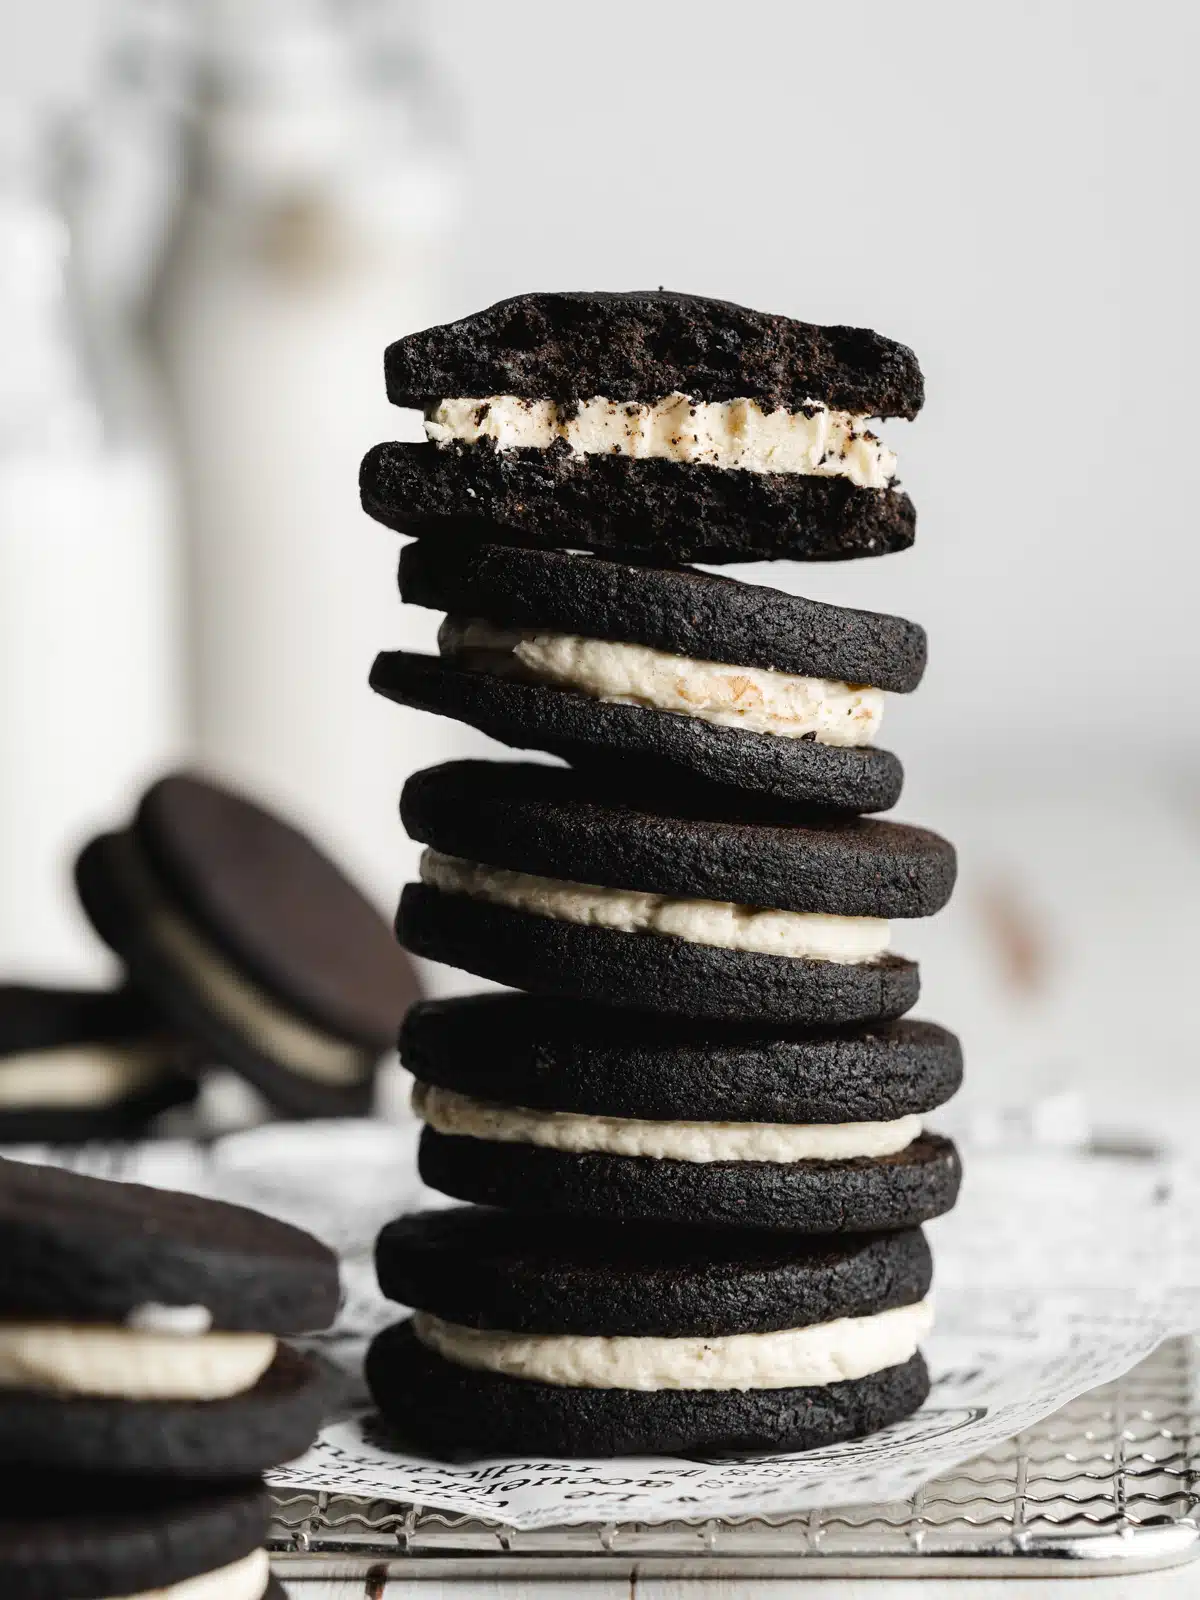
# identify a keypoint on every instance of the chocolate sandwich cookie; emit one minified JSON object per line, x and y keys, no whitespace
{"x":65,"y":1537}
{"x":564,"y":1338}
{"x":249,"y":938}
{"x":735,"y":683}
{"x":543,"y":879}
{"x":655,"y":424}
{"x":543,"y":1106}
{"x":139,"y":1329}
{"x":79,"y":1064}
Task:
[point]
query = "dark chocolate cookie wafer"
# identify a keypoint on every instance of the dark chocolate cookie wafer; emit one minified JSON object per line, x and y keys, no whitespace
{"x":645,"y":343}
{"x":65,"y":1537}
{"x":80,"y":1064}
{"x":439,"y":1406}
{"x":482,"y":1268}
{"x":653,"y":746}
{"x":250,"y":938}
{"x":862,"y":1194}
{"x":648,"y":972}
{"x":239,"y":1436}
{"x":537,"y":1051}
{"x":660,"y":511}
{"x":83,"y":1250}
{"x":688,"y":613}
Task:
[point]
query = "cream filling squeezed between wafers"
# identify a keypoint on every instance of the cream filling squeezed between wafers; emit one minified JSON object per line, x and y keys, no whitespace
{"x":130,"y":1364}
{"x":827,"y":1352}
{"x":265,"y":1024}
{"x":807,"y":935}
{"x":736,"y":435}
{"x":301,"y":1047}
{"x":463,"y":1116}
{"x":77,"y":1075}
{"x":756,"y":699}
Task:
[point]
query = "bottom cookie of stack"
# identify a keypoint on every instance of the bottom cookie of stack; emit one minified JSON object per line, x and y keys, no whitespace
{"x":575,"y":1339}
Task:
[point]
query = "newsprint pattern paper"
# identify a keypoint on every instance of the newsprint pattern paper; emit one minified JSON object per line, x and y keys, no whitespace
{"x":1057,"y":1272}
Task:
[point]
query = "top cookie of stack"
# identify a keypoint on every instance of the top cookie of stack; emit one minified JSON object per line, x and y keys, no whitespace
{"x":597,"y":401}
{"x":656,"y":428}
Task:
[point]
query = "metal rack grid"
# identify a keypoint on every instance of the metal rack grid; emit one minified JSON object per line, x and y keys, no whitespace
{"x":1107,"y":1484}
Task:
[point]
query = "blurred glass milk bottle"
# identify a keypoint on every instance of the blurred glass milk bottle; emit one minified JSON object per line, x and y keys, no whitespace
{"x":318,"y":196}
{"x":90,"y":704}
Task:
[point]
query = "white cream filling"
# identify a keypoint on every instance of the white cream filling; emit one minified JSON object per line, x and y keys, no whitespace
{"x":122,"y":1363}
{"x":77,"y":1075}
{"x":807,"y":935}
{"x":828,"y":1352}
{"x":241,"y":1580}
{"x":736,"y":435}
{"x":462,"y":1115}
{"x":186,"y":1322}
{"x":303,"y":1048}
{"x":758,"y":699}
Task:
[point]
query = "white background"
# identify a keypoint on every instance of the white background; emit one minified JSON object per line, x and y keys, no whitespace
{"x":1011,"y":189}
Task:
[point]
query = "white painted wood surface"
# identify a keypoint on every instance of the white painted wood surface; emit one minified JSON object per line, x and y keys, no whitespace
{"x":1171,"y":1585}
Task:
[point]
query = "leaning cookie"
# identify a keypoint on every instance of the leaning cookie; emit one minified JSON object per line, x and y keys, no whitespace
{"x":655,"y":424}
{"x":139,"y":1330}
{"x":567,"y":1339}
{"x":67,"y":1537}
{"x":250,"y":939}
{"x":735,"y":683}
{"x":537,"y":880}
{"x":678,"y":610}
{"x":78,"y":1064}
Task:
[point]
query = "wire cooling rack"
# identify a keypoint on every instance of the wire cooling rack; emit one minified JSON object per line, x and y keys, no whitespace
{"x":1107,"y":1484}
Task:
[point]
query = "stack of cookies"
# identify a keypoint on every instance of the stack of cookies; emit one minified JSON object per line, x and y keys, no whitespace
{"x":693,"y":1141}
{"x":144,"y":1388}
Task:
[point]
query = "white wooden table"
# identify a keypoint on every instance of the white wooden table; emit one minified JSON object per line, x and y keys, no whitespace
{"x":1172,"y":1585}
